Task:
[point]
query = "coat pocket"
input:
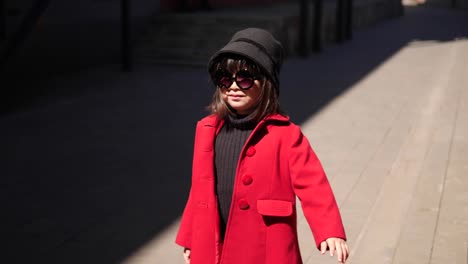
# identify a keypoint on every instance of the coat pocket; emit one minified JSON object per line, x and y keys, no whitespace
{"x":274,"y":207}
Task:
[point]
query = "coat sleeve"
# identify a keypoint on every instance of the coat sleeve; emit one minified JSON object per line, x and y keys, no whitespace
{"x":311,"y":186}
{"x":184,"y":235}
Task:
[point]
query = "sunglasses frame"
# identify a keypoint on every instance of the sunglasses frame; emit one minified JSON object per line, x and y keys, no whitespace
{"x":225,"y":74}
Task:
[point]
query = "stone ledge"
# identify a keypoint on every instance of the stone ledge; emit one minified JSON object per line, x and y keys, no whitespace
{"x":191,"y":38}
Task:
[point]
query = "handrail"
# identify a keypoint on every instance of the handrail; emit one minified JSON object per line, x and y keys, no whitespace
{"x":317,"y":31}
{"x":127,"y":62}
{"x":25,"y":28}
{"x":303,"y":29}
{"x":2,"y":20}
{"x":30,"y":20}
{"x":344,"y":11}
{"x":349,"y":20}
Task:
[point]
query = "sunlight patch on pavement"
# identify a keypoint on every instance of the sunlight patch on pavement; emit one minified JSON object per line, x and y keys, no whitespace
{"x":374,"y":137}
{"x":371,"y":140}
{"x":161,"y":249}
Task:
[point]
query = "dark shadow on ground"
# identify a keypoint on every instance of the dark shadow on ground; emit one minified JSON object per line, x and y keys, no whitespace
{"x":95,"y":162}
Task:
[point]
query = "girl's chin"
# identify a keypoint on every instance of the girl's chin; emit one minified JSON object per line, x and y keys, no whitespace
{"x":240,"y":107}
{"x":242,"y":111}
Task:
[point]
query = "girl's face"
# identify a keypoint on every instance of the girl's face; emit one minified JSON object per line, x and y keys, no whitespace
{"x":243,"y":101}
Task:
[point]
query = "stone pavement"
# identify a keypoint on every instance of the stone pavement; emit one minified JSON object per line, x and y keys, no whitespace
{"x":396,"y":152}
{"x":98,"y":171}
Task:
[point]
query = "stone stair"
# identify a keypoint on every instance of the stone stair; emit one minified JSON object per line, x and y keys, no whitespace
{"x":191,"y":38}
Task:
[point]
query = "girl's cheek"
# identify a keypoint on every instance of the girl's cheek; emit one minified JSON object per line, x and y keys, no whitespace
{"x":224,"y":97}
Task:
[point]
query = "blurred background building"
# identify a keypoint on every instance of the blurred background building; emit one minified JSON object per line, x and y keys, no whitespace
{"x":182,"y":31}
{"x":99,"y":99}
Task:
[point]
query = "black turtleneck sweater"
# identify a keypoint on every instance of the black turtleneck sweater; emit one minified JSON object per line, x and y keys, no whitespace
{"x":228,"y":146}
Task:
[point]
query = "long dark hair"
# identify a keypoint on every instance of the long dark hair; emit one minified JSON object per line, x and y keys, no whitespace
{"x":269,"y":101}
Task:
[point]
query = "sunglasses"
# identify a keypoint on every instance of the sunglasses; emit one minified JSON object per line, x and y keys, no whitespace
{"x":244,"y":79}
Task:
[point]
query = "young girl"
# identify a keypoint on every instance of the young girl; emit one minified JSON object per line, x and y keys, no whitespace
{"x":249,"y":164}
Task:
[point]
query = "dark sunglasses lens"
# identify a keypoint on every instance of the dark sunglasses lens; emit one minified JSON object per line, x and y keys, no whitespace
{"x":225,"y":82}
{"x":244,"y":80}
{"x":245,"y":83}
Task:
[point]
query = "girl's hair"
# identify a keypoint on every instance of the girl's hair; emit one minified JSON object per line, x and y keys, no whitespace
{"x":268,"y":102}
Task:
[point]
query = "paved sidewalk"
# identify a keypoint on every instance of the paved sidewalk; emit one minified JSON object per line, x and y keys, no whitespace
{"x":396,"y":156}
{"x":99,"y":172}
{"x":396,"y":152}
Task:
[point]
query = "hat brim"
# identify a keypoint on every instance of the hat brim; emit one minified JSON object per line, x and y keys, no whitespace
{"x":248,"y":51}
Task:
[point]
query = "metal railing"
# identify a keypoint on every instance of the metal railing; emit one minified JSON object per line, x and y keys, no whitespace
{"x":344,"y":11}
{"x":14,"y":41}
{"x":2,"y":20}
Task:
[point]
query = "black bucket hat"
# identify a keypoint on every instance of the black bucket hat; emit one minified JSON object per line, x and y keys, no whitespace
{"x":257,"y":45}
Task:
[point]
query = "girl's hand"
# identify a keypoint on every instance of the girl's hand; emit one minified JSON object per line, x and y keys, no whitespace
{"x":187,"y":255}
{"x":338,"y":245}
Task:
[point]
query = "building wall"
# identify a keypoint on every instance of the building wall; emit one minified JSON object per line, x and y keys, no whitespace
{"x":172,"y":5}
{"x":459,"y":4}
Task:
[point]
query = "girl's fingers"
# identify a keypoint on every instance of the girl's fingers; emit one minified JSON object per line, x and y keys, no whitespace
{"x":336,"y":245}
{"x":331,"y":245}
{"x":187,"y":260}
{"x":339,"y":251}
{"x":187,"y":256}
{"x":323,"y":247}
{"x":345,"y":252}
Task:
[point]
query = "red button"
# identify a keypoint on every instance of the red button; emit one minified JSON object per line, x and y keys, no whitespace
{"x":243,"y":204}
{"x":247,"y":179}
{"x":250,"y":151}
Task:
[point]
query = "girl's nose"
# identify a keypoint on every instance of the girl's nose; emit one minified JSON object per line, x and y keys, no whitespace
{"x":234,"y":86}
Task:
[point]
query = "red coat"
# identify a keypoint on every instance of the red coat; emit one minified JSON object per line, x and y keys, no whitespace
{"x":276,"y":164}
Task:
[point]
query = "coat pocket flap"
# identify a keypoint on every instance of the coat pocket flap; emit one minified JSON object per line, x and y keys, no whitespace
{"x":274,"y":207}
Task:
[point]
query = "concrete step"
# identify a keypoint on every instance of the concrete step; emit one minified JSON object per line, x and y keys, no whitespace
{"x":191,"y":38}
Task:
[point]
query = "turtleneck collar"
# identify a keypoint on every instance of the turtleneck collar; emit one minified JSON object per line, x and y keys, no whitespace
{"x":243,"y":122}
